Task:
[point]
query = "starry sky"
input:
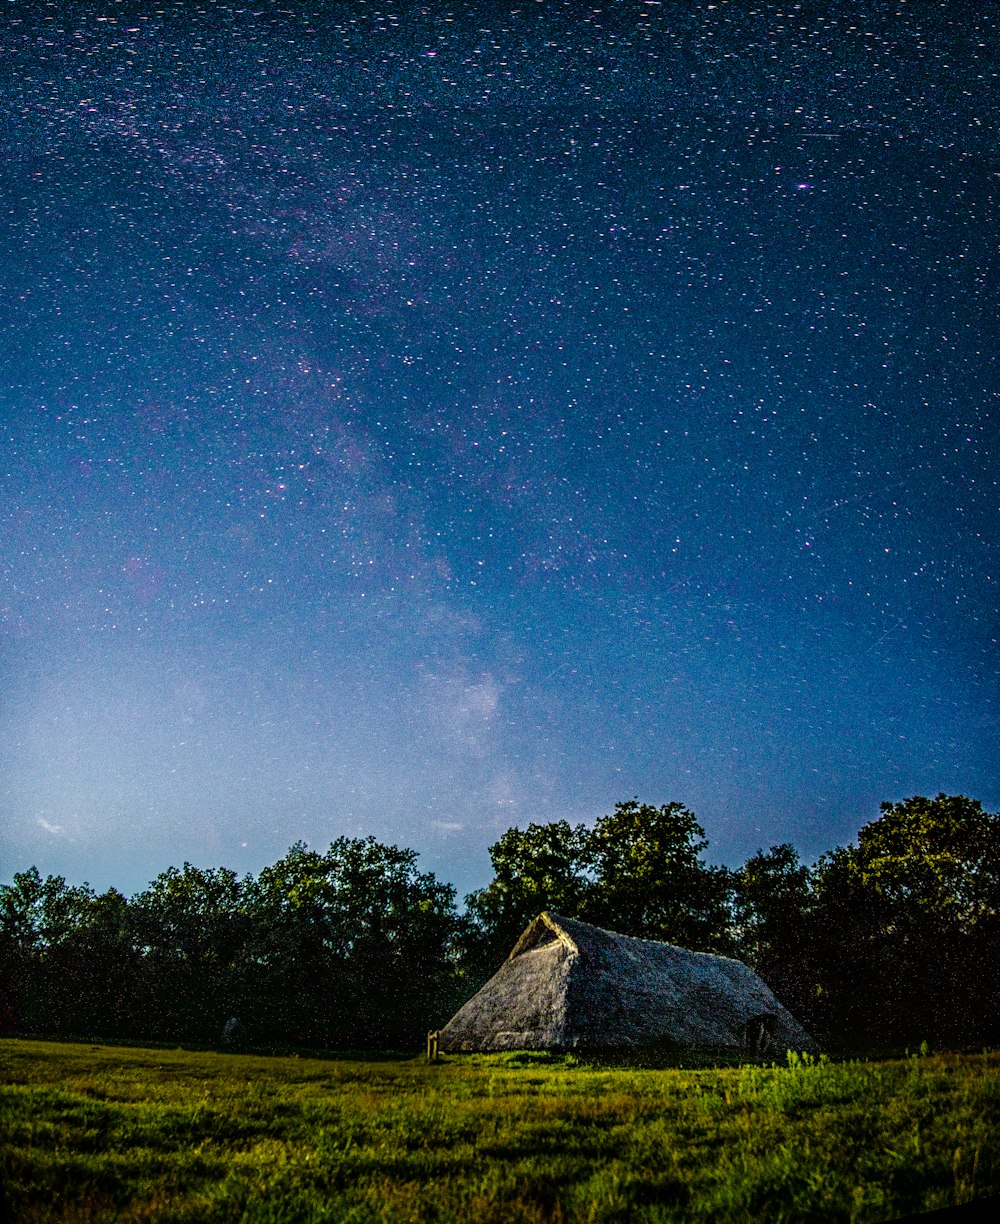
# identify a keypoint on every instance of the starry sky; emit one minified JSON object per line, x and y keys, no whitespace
{"x":417,"y":420}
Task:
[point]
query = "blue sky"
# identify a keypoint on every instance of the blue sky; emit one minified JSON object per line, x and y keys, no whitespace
{"x":416,"y":424}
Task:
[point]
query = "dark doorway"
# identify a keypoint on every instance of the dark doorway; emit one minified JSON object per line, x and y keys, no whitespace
{"x":758,"y":1034}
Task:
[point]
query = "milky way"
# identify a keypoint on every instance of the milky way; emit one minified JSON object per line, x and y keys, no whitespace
{"x":422,"y":420}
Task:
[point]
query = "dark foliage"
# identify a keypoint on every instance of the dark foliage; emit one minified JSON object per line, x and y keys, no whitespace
{"x":650,"y":879}
{"x":907,"y":926}
{"x":895,"y":940}
{"x":638,"y":871}
{"x":774,"y":910}
{"x":351,"y":948}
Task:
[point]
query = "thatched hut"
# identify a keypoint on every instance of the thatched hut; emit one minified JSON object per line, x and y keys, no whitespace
{"x":568,"y":985}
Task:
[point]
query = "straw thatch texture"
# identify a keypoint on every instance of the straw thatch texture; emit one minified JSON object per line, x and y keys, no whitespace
{"x":569,"y":985}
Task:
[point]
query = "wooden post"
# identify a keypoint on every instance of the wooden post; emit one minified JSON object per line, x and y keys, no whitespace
{"x":432,"y":1047}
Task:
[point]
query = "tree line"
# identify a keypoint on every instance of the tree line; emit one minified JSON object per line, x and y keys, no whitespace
{"x":892,"y":940}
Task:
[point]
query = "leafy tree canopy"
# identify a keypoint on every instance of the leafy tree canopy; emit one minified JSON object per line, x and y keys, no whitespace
{"x":651,"y":879}
{"x":773,"y":891}
{"x":40,"y":913}
{"x":639,"y":870}
{"x":544,"y":866}
{"x":907,"y":923}
{"x":190,"y":911}
{"x":924,"y":861}
{"x":891,"y":939}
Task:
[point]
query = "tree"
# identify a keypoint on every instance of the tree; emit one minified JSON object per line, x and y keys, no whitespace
{"x":638,"y":871}
{"x":38,"y":918}
{"x":650,"y":880}
{"x":191,"y":924}
{"x":40,"y":913}
{"x":909,"y":921}
{"x":773,"y":909}
{"x":21,"y":922}
{"x":352,"y":945}
{"x":544,"y":866}
{"x":66,"y":955}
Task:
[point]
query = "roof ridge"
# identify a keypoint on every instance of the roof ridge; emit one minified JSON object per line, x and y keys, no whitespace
{"x":549,"y":921}
{"x":558,"y":919}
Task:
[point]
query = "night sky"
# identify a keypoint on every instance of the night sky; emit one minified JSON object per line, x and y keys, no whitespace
{"x":420,"y":420}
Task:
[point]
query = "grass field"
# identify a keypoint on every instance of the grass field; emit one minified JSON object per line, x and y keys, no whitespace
{"x":111,"y":1133}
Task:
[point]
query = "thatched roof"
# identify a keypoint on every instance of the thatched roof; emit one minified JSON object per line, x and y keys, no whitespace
{"x":569,"y":985}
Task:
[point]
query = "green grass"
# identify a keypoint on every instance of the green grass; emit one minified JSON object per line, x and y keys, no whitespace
{"x":112,"y":1133}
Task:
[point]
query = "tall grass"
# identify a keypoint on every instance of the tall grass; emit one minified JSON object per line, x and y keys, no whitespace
{"x":104,"y":1133}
